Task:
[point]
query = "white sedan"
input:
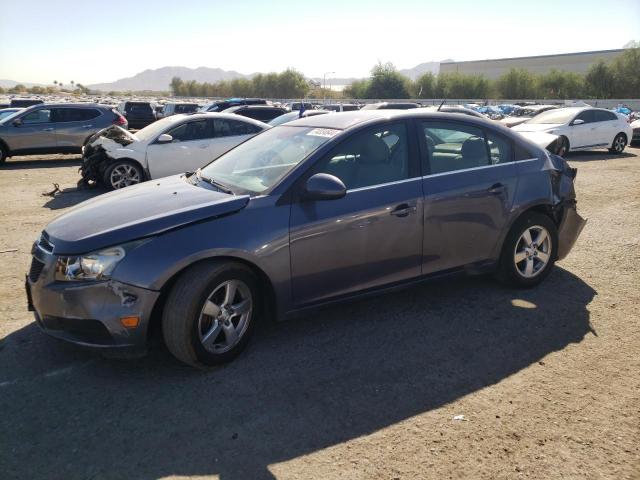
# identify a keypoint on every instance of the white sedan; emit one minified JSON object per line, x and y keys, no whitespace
{"x":175,"y":144}
{"x":582,"y":128}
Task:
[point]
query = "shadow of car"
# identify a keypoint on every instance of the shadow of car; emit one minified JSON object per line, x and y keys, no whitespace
{"x":330,"y":377}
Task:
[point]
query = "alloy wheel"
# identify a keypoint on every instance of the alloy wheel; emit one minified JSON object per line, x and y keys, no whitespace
{"x":124,"y":175}
{"x":619,"y":143}
{"x":225,"y":316}
{"x":533,"y":251}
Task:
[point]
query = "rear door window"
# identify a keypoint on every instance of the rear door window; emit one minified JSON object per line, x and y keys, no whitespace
{"x":452,"y":147}
{"x":229,"y":128}
{"x":61,"y":115}
{"x":602,"y":116}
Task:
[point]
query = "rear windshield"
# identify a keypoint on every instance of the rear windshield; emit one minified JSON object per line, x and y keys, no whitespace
{"x":186,"y":108}
{"x":138,"y":108}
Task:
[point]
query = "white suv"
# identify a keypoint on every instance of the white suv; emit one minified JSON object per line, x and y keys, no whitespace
{"x":582,"y":128}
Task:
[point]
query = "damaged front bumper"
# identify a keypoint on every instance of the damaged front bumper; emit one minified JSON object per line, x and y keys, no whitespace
{"x":89,"y":313}
{"x":94,"y":157}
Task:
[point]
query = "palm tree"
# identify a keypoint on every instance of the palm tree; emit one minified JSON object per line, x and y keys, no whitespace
{"x":55,"y":82}
{"x":72,"y":83}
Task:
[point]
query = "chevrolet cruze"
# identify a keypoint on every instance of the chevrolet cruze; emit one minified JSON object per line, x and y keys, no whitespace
{"x":318,"y":210}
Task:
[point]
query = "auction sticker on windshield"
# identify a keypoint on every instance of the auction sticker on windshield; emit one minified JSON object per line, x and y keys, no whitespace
{"x":323,"y":132}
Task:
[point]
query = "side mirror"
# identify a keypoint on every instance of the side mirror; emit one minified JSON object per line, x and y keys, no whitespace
{"x":17,"y":122}
{"x":323,"y":186}
{"x":165,"y":138}
{"x":578,"y":121}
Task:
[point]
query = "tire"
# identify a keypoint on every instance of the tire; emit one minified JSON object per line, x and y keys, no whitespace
{"x":198,"y":322}
{"x":121,"y":174}
{"x":619,"y":143}
{"x":563,"y":147}
{"x":3,"y":154}
{"x":537,"y":260}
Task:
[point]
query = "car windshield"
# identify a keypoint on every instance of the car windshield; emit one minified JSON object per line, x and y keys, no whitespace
{"x":554,"y":117}
{"x":259,"y":163}
{"x":156,"y":128}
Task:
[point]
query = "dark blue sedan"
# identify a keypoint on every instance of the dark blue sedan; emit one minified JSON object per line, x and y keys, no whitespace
{"x":321,"y":209}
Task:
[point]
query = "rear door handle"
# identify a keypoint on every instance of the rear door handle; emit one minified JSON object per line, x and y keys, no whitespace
{"x":496,"y":189}
{"x":50,"y":129}
{"x":87,"y":126}
{"x":403,"y":210}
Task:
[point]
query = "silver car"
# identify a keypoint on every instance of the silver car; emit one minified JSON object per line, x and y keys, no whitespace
{"x":54,"y":128}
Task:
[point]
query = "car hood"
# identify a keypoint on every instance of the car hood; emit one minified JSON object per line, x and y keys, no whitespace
{"x":513,"y":121}
{"x":138,"y":211}
{"x":541,"y":139}
{"x":536,"y":127}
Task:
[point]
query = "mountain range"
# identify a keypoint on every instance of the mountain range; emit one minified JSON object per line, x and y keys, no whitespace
{"x":158,"y":79}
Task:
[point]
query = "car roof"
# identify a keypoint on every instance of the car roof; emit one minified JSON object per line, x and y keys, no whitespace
{"x":346,"y":120}
{"x":228,"y":116}
{"x":79,"y":104}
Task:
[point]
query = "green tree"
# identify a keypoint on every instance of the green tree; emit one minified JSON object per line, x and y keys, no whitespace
{"x":386,"y":82}
{"x":516,"y":83}
{"x":599,"y":80}
{"x":19,"y":88}
{"x":357,"y":89}
{"x":561,"y":84}
{"x":176,"y":86}
{"x":457,"y":85}
{"x":626,"y":73}
{"x":425,"y":86}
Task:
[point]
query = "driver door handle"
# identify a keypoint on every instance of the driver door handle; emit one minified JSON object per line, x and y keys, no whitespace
{"x":49,"y":129}
{"x":497,"y":188}
{"x":403,"y":210}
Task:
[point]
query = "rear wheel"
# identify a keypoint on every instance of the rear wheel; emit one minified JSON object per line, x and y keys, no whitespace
{"x":619,"y":143}
{"x":3,"y":154}
{"x":209,"y":314}
{"x":529,"y":251}
{"x":122,"y":173}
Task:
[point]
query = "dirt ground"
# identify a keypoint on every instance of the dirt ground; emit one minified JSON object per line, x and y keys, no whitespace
{"x":548,"y":380}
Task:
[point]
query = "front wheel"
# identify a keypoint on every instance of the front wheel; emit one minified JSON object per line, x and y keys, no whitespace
{"x":529,"y":251}
{"x":122,"y":173}
{"x":619,"y":143}
{"x":209,"y":314}
{"x":3,"y":154}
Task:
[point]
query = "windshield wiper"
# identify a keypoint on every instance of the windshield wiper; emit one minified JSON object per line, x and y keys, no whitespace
{"x":220,"y":186}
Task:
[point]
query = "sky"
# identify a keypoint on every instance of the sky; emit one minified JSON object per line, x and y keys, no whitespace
{"x":101,"y":41}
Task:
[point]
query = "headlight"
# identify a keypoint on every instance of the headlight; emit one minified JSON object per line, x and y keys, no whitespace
{"x":92,"y":266}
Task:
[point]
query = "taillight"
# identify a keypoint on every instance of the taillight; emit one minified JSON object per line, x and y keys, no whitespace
{"x":119,"y":120}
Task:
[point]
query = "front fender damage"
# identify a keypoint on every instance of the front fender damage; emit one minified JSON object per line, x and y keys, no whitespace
{"x":95,"y":158}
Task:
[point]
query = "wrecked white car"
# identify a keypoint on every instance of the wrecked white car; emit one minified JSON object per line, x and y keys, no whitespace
{"x":117,"y":158}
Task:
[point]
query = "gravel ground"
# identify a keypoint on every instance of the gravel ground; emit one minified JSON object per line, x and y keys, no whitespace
{"x":548,"y":380}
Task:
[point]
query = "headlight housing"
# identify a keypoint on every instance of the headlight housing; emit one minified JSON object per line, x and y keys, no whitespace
{"x":98,"y":265}
{"x":92,"y":266}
